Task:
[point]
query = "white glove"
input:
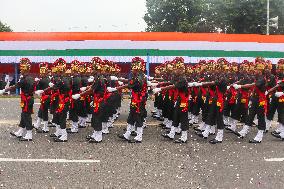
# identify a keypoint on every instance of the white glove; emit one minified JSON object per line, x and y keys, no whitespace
{"x":37,"y":79}
{"x":198,"y":84}
{"x":236,"y":86}
{"x":91,"y":79}
{"x":110,"y":89}
{"x":21,"y":76}
{"x":156,"y":90}
{"x":76,"y":96}
{"x":150,"y":78}
{"x":39,"y":92}
{"x":51,"y":84}
{"x":120,"y":82}
{"x":228,"y":87}
{"x":190,"y":84}
{"x":2,"y":91}
{"x":83,"y":89}
{"x":155,"y":84}
{"x":149,"y":83}
{"x":113,"y":78}
{"x":266,"y":93}
{"x":279,"y":94}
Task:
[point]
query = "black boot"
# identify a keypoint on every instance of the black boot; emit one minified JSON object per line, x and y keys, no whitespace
{"x":254,"y":141}
{"x":214,"y":141}
{"x":59,"y":140}
{"x":179,"y":141}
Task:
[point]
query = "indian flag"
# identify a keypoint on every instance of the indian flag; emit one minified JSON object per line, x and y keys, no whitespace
{"x":156,"y":47}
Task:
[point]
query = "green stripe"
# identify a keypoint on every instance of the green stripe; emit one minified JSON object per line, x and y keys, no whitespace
{"x":142,"y":52}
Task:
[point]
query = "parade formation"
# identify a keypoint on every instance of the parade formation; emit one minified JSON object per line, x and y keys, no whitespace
{"x":209,"y":97}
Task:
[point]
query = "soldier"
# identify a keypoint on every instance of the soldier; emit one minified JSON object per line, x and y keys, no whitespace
{"x":258,"y":103}
{"x":97,"y":89}
{"x":82,"y":102}
{"x":74,"y":107}
{"x":279,"y":100}
{"x":62,"y":87}
{"x":135,"y":117}
{"x":180,"y":118}
{"x":43,"y":84}
{"x":27,"y":86}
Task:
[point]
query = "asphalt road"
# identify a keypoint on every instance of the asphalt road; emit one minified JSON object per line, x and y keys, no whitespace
{"x":155,"y":163}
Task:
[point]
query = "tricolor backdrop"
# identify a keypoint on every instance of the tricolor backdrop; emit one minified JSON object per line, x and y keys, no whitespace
{"x":156,"y":47}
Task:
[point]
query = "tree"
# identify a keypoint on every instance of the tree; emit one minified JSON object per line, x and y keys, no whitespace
{"x":5,"y":28}
{"x":230,"y":16}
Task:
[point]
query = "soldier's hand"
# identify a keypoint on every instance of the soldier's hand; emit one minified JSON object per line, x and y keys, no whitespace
{"x":39,"y":92}
{"x":83,"y":89}
{"x":156,"y":90}
{"x":50,"y":84}
{"x":110,"y":89}
{"x":91,"y":79}
{"x":113,"y":78}
{"x":279,"y":94}
{"x":76,"y":96}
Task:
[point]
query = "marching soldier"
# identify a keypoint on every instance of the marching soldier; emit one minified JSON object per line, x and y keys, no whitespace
{"x":43,"y":84}
{"x":27,"y":86}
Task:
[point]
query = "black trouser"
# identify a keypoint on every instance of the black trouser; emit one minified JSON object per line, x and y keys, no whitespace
{"x":197,"y":105}
{"x":190,"y":106}
{"x":228,"y":109}
{"x":43,"y":110}
{"x":26,"y":121}
{"x":272,"y":107}
{"x":205,"y":109}
{"x":73,"y":112}
{"x":62,"y":119}
{"x":165,"y":106}
{"x":258,"y":110}
{"x":180,"y":117}
{"x":159,"y":102}
{"x":97,"y":116}
{"x":135,"y":118}
{"x":96,"y":121}
{"x":280,"y":110}
{"x":82,"y":108}
{"x":215,"y":116}
{"x":240,"y":112}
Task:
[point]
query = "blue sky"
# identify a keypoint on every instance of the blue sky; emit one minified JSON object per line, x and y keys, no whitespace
{"x":73,"y":15}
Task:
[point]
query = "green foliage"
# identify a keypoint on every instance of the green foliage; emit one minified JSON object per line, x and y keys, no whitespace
{"x":230,"y":16}
{"x":5,"y":28}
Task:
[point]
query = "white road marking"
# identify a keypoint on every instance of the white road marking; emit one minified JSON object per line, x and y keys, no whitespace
{"x":274,"y":159}
{"x":50,"y":160}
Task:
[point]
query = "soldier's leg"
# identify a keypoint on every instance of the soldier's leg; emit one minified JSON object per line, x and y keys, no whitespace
{"x":184,"y":127}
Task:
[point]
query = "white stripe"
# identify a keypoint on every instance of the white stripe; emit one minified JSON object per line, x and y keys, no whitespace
{"x":127,"y":44}
{"x":153,"y":59}
{"x":274,"y":159}
{"x":49,"y":160}
{"x":37,"y":103}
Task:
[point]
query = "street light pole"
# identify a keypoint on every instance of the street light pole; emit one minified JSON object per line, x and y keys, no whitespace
{"x":267,"y":23}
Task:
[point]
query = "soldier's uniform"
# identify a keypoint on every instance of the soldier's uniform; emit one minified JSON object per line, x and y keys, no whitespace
{"x":74,"y":105}
{"x":42,"y":85}
{"x":135,"y":117}
{"x":258,"y":106}
{"x":27,"y":86}
{"x":62,"y":88}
